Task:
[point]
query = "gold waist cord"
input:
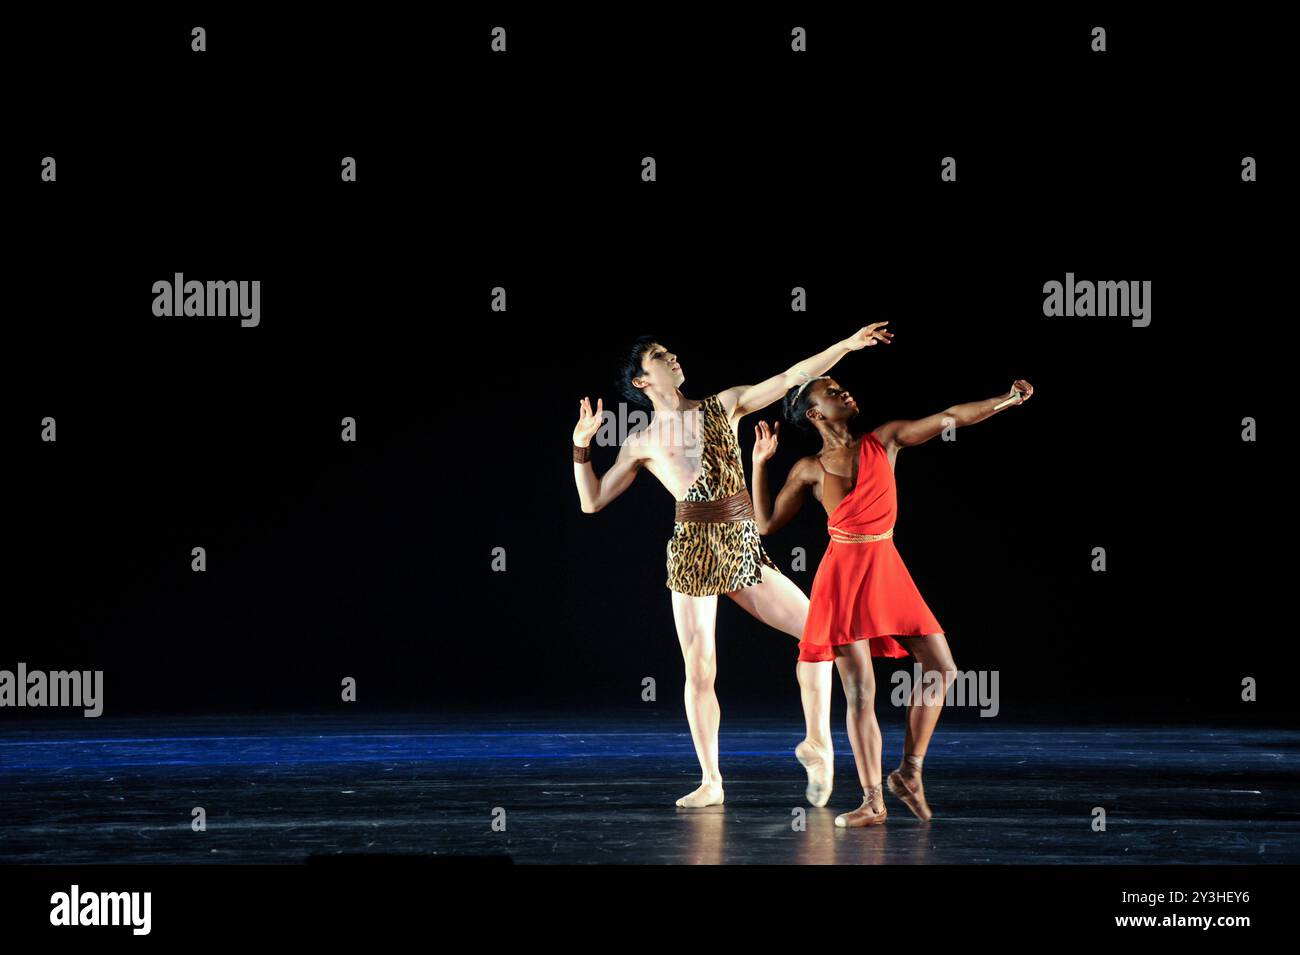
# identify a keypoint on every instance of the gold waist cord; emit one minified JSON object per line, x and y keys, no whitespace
{"x":844,"y":537}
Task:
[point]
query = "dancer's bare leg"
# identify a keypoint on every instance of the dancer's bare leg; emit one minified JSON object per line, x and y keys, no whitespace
{"x":696,"y":618}
{"x":923,"y":712}
{"x":780,"y":604}
{"x":853,"y":660}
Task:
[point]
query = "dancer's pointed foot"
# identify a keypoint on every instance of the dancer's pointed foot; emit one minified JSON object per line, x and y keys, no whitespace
{"x":872,"y":812}
{"x":709,"y":794}
{"x":905,"y":783}
{"x":820,"y":764}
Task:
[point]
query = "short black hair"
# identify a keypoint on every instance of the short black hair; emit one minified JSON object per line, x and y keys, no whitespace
{"x":631,"y":368}
{"x":795,"y":406}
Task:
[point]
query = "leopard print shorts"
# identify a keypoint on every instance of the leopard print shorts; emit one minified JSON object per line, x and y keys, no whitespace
{"x":705,"y":559}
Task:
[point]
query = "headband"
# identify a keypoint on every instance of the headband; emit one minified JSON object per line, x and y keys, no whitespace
{"x":808,"y":380}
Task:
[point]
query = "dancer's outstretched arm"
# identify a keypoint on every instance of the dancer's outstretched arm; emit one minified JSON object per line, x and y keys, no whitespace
{"x":788,"y":502}
{"x":595,"y":492}
{"x":905,"y":434}
{"x":744,"y":399}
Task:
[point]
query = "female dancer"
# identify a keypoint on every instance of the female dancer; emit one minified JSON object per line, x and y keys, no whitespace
{"x":864,"y":601}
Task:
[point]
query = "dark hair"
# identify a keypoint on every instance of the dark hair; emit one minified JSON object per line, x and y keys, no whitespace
{"x":631,"y":368}
{"x":795,"y":406}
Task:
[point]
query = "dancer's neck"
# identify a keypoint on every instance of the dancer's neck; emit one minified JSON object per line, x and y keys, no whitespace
{"x":835,"y":436}
{"x":670,"y":402}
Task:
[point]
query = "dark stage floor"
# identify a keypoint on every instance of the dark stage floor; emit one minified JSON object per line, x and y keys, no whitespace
{"x":283,"y":789}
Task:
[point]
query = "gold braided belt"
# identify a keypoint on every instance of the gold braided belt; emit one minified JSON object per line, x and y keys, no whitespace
{"x":844,"y":537}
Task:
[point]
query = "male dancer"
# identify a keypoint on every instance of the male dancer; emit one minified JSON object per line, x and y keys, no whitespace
{"x":863,"y":599}
{"x":690,"y":446}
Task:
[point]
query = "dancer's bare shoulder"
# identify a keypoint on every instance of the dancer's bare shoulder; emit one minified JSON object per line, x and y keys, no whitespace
{"x":806,"y":469}
{"x":806,"y":473}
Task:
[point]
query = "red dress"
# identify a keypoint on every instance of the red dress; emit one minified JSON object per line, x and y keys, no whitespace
{"x":862,"y":590}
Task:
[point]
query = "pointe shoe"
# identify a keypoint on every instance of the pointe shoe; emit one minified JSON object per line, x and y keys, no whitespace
{"x":821,"y":772}
{"x":912,"y":798}
{"x":866,"y":814}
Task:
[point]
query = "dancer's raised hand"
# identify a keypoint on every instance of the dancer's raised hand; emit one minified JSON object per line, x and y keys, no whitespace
{"x":868,"y":336}
{"x":588,"y":421}
{"x":765,"y":441}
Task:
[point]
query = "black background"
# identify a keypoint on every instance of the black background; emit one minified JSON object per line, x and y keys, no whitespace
{"x":373,"y":560}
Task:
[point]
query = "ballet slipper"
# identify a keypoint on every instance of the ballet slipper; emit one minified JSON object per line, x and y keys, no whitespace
{"x":709,"y":794}
{"x":867,"y":814}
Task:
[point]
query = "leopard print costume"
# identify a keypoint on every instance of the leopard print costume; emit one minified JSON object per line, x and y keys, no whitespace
{"x":705,"y":559}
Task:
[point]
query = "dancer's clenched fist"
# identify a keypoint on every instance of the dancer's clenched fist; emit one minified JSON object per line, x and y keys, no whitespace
{"x":1022,"y":388}
{"x":588,"y":421}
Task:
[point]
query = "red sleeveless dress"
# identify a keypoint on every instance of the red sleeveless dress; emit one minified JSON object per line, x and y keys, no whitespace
{"x":862,"y":590}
